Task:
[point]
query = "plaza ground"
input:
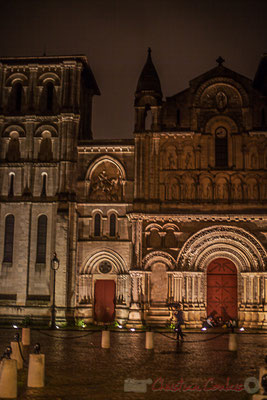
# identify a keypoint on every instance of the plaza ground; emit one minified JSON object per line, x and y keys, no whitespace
{"x":78,"y":369}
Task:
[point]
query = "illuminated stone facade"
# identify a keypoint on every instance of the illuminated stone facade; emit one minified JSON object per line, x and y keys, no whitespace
{"x":151,"y":214}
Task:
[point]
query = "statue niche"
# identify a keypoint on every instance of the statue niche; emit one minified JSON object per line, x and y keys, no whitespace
{"x":45,"y":153}
{"x":13,"y":151}
{"x":173,"y":189}
{"x":169,"y":158}
{"x":205,"y":191}
{"x":106,"y":183}
{"x":237,"y":193}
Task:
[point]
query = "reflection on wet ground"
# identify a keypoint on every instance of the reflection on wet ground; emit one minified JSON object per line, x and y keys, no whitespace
{"x":78,"y":369}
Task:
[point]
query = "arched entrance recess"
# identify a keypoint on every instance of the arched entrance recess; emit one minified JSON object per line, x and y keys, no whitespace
{"x":222,"y":289}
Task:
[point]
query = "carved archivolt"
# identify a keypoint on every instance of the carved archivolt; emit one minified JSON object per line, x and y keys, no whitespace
{"x":222,"y":241}
{"x":207,"y":93}
{"x":158,"y":256}
{"x":92,"y":263}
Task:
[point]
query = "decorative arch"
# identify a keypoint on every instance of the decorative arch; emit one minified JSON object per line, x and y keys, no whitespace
{"x":105,"y":179}
{"x":221,"y":120}
{"x":17,"y":77}
{"x":154,"y":226}
{"x":158,"y":256}
{"x":49,"y":76}
{"x":219,"y":241}
{"x":42,"y":128}
{"x":101,"y":159}
{"x":229,"y":84}
{"x":170,"y":226}
{"x":90,"y":265}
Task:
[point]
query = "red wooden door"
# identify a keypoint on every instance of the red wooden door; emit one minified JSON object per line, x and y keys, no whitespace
{"x":104,"y":300}
{"x":222,"y":289}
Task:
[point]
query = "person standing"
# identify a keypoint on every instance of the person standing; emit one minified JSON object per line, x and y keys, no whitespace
{"x":179,"y":315}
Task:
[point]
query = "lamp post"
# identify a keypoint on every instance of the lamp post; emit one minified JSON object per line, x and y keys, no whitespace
{"x":54,"y":267}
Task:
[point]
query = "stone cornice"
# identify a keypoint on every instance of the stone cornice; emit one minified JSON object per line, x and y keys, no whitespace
{"x":198,"y":217}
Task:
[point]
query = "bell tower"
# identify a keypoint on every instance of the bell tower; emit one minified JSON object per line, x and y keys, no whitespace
{"x":148,"y":99}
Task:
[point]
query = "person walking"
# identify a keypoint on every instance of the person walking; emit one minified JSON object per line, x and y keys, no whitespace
{"x":179,"y":315}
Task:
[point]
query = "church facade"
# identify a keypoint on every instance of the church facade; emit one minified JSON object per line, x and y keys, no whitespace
{"x":175,"y":215}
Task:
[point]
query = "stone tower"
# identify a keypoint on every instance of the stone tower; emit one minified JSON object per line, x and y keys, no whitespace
{"x":45,"y":109}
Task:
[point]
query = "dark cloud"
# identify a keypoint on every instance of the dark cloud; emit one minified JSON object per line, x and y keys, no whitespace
{"x":186,"y":37}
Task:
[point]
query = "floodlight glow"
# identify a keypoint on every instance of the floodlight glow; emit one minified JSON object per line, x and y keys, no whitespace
{"x":132,"y":329}
{"x":15,"y":326}
{"x":242,"y":329}
{"x":204,"y":329}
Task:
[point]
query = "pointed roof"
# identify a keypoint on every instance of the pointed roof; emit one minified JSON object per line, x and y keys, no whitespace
{"x":149,"y":80}
{"x":260,"y":80}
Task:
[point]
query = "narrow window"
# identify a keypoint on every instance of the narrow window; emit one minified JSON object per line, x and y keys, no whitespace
{"x":112,"y":225}
{"x":221,"y":148}
{"x":9,"y":239}
{"x":97,"y":225}
{"x":49,"y":96}
{"x":44,"y":181}
{"x":148,"y":118}
{"x":41,"y":239}
{"x":11,"y":185}
{"x":18,"y":97}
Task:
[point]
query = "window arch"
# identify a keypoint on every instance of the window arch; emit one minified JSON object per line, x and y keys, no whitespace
{"x":11,"y":184}
{"x":112,"y":225}
{"x":18,"y":96}
{"x":9,"y":238}
{"x":97,"y":225}
{"x":44,"y":184}
{"x":221,"y":147}
{"x":41,"y":239}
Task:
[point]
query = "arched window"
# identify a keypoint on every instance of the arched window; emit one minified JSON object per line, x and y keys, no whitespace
{"x":11,"y":184}
{"x":45,"y":154}
{"x":112,"y":225}
{"x":9,"y":239}
{"x":221,"y":147}
{"x":41,"y":239}
{"x":148,"y":118}
{"x":97,"y":225}
{"x":49,"y":96}
{"x":44,"y":182}
{"x":18,"y":96}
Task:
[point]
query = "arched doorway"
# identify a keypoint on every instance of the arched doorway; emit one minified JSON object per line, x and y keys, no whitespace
{"x":104,"y":300}
{"x":222,"y":289}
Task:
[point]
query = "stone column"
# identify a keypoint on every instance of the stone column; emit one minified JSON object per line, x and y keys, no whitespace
{"x":244,"y":289}
{"x":135,"y":316}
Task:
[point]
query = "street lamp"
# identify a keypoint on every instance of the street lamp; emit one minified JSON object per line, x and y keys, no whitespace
{"x":54,"y":267}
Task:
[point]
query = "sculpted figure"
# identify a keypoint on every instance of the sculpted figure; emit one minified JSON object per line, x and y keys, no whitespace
{"x":188,"y":160}
{"x":171,"y":160}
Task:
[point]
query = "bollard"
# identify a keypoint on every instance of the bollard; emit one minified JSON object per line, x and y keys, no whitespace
{"x":8,"y":379}
{"x":16,"y":355}
{"x":232,"y":345}
{"x":36,"y":372}
{"x":149,"y":340}
{"x":105,"y":340}
{"x":26,"y":336}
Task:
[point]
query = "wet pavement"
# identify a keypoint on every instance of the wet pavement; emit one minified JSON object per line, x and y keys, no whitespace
{"x":78,"y":369}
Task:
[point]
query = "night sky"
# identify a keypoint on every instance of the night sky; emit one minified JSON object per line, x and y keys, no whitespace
{"x":186,"y":37}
